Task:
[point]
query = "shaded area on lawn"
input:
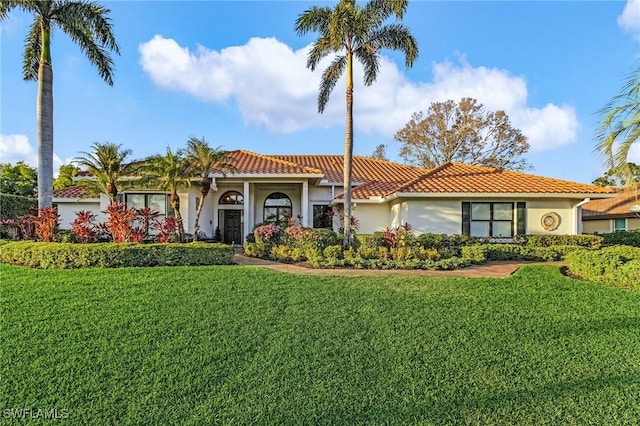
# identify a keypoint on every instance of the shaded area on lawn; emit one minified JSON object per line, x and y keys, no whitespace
{"x":237,"y":345}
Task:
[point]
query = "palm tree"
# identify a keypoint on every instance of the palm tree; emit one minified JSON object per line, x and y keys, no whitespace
{"x":88,"y":25}
{"x":167,"y":173}
{"x":201,"y":158}
{"x":350,"y":30}
{"x":620,"y":127}
{"x":107,"y":164}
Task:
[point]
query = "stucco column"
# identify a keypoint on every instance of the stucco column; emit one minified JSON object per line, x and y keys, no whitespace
{"x":305,"y":204}
{"x":248,"y":202}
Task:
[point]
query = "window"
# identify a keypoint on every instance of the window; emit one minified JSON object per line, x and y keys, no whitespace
{"x":322,"y":216}
{"x":277,"y":208}
{"x":619,"y":225}
{"x":231,"y":197}
{"x":156,"y":202}
{"x":487,"y":219}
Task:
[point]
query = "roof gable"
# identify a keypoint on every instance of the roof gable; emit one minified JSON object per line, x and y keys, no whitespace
{"x":247,"y":162}
{"x":465,"y":178}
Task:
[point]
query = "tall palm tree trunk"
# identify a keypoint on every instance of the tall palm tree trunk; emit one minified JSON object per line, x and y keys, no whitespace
{"x":44,"y":119}
{"x":348,"y":154}
{"x":205,"y":186}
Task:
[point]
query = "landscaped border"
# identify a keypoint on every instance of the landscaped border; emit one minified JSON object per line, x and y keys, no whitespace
{"x":112,"y":255}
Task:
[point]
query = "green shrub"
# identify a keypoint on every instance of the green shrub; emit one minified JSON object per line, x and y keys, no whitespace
{"x":589,"y":241}
{"x":483,"y":252}
{"x":333,"y":252}
{"x":627,"y":238}
{"x":319,"y":239}
{"x":314,"y":257}
{"x":369,"y":240}
{"x":284,"y":253}
{"x":618,"y":266}
{"x":111,"y":255}
{"x":12,"y":206}
{"x":360,"y":263}
{"x":447,"y":245}
{"x":368,"y":252}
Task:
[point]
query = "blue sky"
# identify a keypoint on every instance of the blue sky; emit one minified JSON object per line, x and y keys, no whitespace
{"x":234,"y":73}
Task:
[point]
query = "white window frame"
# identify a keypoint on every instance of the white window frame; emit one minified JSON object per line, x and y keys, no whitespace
{"x":613,"y":225}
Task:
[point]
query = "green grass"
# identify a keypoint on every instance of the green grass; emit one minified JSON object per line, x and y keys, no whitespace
{"x":240,"y":345}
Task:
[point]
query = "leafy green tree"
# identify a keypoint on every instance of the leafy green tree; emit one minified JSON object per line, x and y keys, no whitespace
{"x":168,"y":173}
{"x":88,"y":25}
{"x":620,"y":125}
{"x":201,"y":159}
{"x":66,"y":173}
{"x":20,"y":179}
{"x":613,"y":177}
{"x":107,"y":165}
{"x":464,"y":132}
{"x":380,"y":153}
{"x":350,"y":30}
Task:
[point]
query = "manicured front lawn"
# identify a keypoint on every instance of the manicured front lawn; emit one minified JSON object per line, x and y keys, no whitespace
{"x":239,"y":345}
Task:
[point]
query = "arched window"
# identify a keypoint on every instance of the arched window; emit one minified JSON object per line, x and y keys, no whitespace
{"x":231,"y":197}
{"x":277,"y":208}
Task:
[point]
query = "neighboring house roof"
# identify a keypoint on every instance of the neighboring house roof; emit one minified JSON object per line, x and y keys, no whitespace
{"x":72,"y":192}
{"x":610,"y":208}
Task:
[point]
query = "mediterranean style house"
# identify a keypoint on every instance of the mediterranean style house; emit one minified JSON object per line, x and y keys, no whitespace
{"x":450,"y":199}
{"x":621,"y":213}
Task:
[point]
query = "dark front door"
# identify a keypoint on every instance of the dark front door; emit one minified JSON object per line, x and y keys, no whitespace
{"x":232,"y":227}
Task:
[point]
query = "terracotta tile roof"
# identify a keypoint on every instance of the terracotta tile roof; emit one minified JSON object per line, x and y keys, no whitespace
{"x":456,"y":177}
{"x":365,"y":169}
{"x":612,"y":207}
{"x":373,"y":189}
{"x":247,"y":162}
{"x":78,"y":191}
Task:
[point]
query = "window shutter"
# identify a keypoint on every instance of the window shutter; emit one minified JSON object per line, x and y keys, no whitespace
{"x":522,"y":218}
{"x":466,"y":218}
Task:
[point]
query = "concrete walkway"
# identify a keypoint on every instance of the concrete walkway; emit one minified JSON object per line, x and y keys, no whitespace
{"x":497,"y":269}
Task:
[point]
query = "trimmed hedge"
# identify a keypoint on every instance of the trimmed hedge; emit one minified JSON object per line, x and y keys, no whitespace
{"x":360,"y":263}
{"x":617,"y":266}
{"x":627,"y":238}
{"x":484,"y":252}
{"x":12,"y":206}
{"x":111,"y":255}
{"x":589,"y":241}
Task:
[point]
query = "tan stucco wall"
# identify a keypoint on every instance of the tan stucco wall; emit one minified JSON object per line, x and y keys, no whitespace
{"x":434,"y":216}
{"x":564,"y":208}
{"x":445,"y":216}
{"x":371,"y":217}
{"x":604,"y":226}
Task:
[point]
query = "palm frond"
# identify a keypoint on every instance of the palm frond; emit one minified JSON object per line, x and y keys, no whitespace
{"x":395,"y":37}
{"x":330,"y":78}
{"x":201,"y":158}
{"x":377,"y":11}
{"x":370,"y":60}
{"x":619,"y":127}
{"x":87,"y":25}
{"x":32,"y":50}
{"x":315,"y":19}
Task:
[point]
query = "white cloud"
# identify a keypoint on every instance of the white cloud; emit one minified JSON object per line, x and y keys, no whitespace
{"x":630,"y":18}
{"x":273,"y":88}
{"x":14,"y":148}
